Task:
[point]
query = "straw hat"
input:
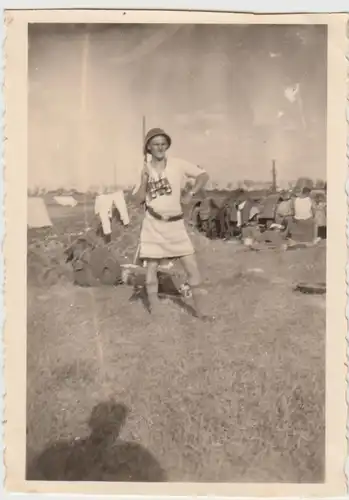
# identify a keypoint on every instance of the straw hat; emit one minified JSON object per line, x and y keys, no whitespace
{"x":154,"y":132}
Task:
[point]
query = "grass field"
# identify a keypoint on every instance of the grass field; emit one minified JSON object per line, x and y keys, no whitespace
{"x":237,"y":401}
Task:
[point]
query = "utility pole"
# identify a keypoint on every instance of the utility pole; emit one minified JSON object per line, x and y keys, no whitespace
{"x":83,"y":107}
{"x":273,"y":172}
{"x":136,"y":256}
{"x":143,"y":127}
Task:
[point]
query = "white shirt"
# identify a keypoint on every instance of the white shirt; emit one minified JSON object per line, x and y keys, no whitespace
{"x":176,"y":171}
{"x":303,"y":208}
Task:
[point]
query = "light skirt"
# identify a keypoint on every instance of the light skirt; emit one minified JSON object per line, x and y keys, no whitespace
{"x":164,"y":240}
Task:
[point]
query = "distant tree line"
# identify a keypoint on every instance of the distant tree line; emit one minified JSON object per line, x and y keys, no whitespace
{"x":214,"y":185}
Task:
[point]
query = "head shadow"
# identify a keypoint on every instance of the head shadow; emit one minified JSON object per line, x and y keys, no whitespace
{"x":102,"y":456}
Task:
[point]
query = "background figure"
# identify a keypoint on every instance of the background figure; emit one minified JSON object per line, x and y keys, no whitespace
{"x":284,"y":210}
{"x":213,"y":223}
{"x":229,"y":214}
{"x":104,"y":205}
{"x":204,"y":213}
{"x":320,"y":210}
{"x":303,"y":223}
{"x":243,"y":206}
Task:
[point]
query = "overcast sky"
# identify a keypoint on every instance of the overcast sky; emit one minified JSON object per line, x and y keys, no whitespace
{"x":232,"y":98}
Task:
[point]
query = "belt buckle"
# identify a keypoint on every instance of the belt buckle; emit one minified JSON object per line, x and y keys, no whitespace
{"x":166,"y":218}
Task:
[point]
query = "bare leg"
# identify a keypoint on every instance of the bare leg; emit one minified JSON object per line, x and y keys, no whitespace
{"x":191,"y":268}
{"x":152,"y":285}
{"x":316,"y":233}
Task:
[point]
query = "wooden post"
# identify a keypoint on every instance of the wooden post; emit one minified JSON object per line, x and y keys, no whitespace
{"x":83,"y":105}
{"x":84,"y":62}
{"x":143,"y":136}
{"x":274,"y":181}
{"x":143,"y":127}
{"x":136,"y":256}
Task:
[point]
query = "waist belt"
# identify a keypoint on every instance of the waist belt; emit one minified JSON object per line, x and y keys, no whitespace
{"x":172,"y":218}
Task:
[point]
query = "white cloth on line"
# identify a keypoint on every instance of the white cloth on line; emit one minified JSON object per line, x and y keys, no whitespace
{"x":104,"y":205}
{"x":239,"y":214}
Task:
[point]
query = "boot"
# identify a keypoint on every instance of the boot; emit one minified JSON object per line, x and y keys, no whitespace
{"x":107,"y":238}
{"x":201,"y":304}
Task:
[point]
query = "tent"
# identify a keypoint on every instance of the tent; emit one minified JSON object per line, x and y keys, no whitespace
{"x":66,"y":201}
{"x":37,"y":215}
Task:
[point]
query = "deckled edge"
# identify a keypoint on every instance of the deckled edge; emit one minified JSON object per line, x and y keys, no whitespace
{"x":5,"y":20}
{"x":346,"y":472}
{"x":2,"y":218}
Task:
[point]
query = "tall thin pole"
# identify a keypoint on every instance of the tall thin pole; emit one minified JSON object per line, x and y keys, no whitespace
{"x":143,"y":127}
{"x":83,"y":103}
{"x":136,"y":256}
{"x":274,"y":182}
{"x":143,"y":135}
{"x":84,"y":62}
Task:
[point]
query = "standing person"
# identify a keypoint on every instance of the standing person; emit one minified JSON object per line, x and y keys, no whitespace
{"x":320,"y":216}
{"x":230,"y":217}
{"x":163,"y":233}
{"x":204,"y":213}
{"x":246,"y":217}
{"x":213,"y":223}
{"x":303,"y":224}
{"x":303,"y":205}
{"x":284,"y":210}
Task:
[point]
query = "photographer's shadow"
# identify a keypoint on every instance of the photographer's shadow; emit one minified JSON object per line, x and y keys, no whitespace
{"x":103,"y":456}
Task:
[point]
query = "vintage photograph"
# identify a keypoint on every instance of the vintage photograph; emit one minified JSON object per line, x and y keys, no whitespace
{"x":176,"y":252}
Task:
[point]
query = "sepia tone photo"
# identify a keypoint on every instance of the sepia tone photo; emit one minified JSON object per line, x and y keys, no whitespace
{"x":178,"y":204}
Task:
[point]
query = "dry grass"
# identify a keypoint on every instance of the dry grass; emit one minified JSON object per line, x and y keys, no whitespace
{"x":240,"y":400}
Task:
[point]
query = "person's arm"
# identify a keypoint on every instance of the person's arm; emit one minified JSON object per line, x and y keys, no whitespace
{"x":200,"y":182}
{"x":313,"y":208}
{"x":201,"y":178}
